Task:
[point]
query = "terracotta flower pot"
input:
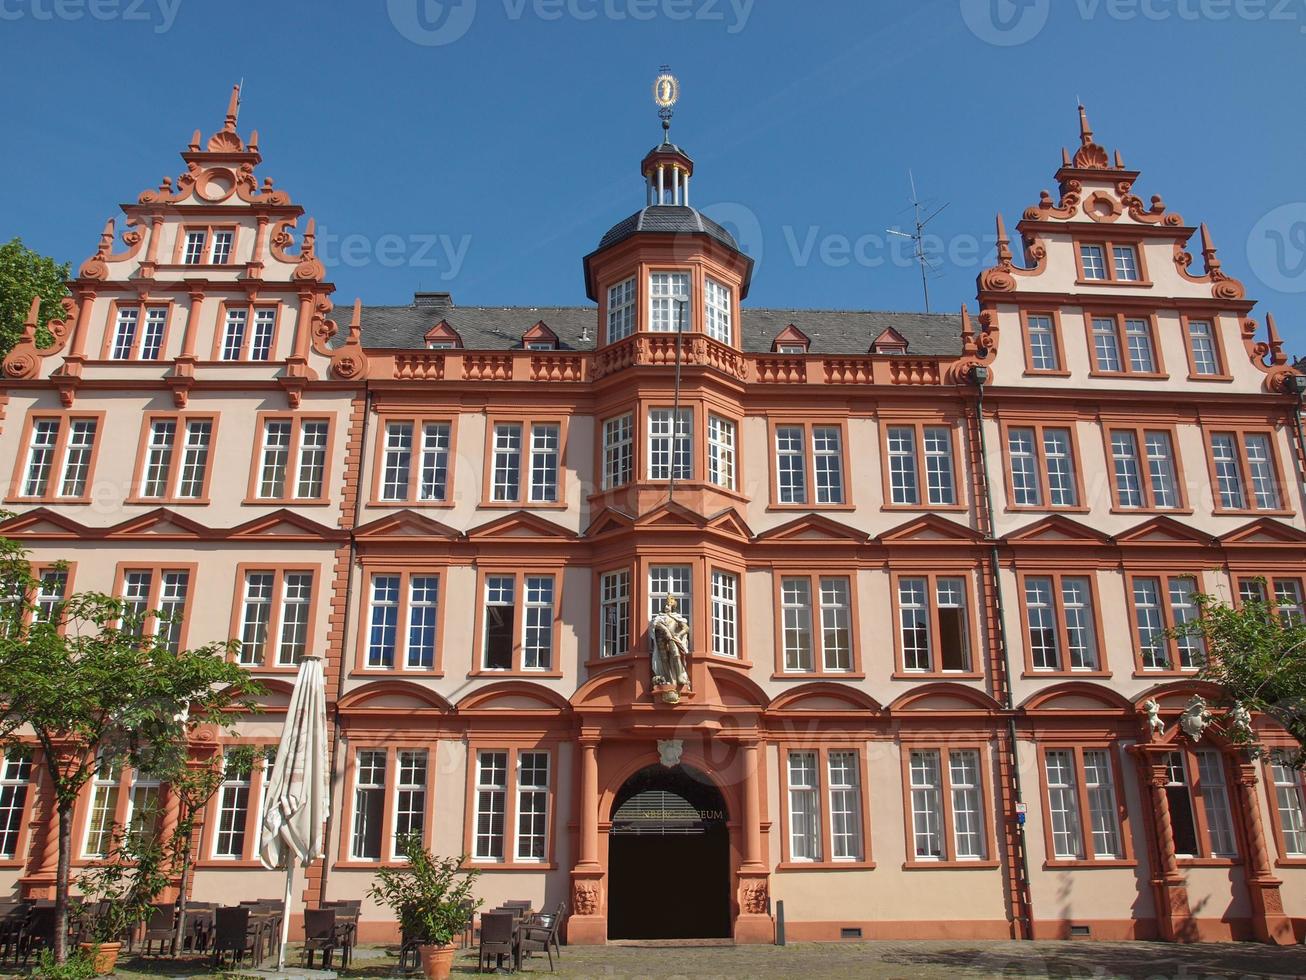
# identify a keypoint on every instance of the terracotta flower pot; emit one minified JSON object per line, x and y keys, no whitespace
{"x":104,"y":956}
{"x":437,"y":961}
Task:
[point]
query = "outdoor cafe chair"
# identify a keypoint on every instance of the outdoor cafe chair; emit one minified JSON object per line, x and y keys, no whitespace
{"x":320,"y":934}
{"x":538,"y":935}
{"x":161,"y":928}
{"x":498,"y":938}
{"x":232,"y":933}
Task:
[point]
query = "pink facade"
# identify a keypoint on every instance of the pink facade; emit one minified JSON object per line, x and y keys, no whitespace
{"x":924,"y":560}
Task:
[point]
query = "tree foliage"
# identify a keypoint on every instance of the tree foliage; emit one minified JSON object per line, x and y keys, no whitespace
{"x":24,"y":274}
{"x":1256,"y":654}
{"x":96,"y":684}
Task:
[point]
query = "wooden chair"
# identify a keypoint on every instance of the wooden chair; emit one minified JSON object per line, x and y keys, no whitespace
{"x":498,"y":938}
{"x":232,"y":934}
{"x":161,"y":928}
{"x":37,"y":932}
{"x":320,"y":934}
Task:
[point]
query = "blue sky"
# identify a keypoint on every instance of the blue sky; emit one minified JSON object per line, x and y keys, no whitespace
{"x":484,"y":146}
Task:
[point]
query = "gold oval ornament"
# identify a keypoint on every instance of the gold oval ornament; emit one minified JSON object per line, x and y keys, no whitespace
{"x":666,"y":91}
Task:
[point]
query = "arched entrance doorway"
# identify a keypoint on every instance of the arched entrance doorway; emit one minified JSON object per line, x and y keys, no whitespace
{"x":668,"y":858}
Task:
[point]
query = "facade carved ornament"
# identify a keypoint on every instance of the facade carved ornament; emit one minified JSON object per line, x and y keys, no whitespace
{"x":24,"y":360}
{"x":1196,"y":718}
{"x":585,"y":898}
{"x":754,"y":897}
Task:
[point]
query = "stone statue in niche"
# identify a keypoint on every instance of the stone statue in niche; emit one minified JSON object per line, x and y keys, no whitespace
{"x":1155,"y":726}
{"x":668,"y":633}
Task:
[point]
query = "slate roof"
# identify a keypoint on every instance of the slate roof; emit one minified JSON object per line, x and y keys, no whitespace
{"x":501,"y":328}
{"x":667,"y":219}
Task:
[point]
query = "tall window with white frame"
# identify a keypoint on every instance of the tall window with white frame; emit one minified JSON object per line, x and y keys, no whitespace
{"x":233,"y":809}
{"x":1153,"y":616}
{"x":933,"y":624}
{"x":500,"y":619}
{"x":537,"y":644}
{"x":670,"y":581}
{"x":956,"y":788}
{"x":15,"y":776}
{"x":100,"y":819}
{"x":621,"y":310}
{"x":827,"y":463}
{"x":410,"y":797}
{"x":303,"y":479}
{"x":618,"y":451}
{"x":132,"y":343}
{"x":1197,"y":779}
{"x":1090,"y":779}
{"x":790,"y":465}
{"x":369,"y":804}
{"x":1062,"y":631}
{"x":1041,"y":336}
{"x":1092,"y":259}
{"x":721,"y":452}
{"x":725,"y":614}
{"x":1202,"y":347}
{"x":614,"y":612}
{"x":717,"y":309}
{"x":666,"y":314}
{"x":491,"y":805}
{"x":1290,"y":803}
{"x":532,"y":806}
{"x":1145,"y":479}
{"x":804,"y":807}
{"x":545,"y":449}
{"x":670,"y":451}
{"x":846,"y":835}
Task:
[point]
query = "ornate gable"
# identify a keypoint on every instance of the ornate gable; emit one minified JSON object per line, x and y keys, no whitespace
{"x":813,"y":528}
{"x":930,"y":529}
{"x":520,"y":525}
{"x":1056,"y":531}
{"x":1164,"y":532}
{"x":161,"y":524}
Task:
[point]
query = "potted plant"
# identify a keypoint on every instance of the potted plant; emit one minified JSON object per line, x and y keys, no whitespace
{"x":120,"y":893}
{"x":432,"y":899}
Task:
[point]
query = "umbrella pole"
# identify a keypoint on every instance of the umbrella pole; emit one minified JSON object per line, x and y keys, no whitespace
{"x":285,"y":915}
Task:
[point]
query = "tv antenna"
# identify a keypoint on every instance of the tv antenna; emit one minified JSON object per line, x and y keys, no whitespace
{"x":918,"y":237}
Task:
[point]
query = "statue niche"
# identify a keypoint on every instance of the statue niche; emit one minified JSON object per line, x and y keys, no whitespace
{"x":668,"y":633}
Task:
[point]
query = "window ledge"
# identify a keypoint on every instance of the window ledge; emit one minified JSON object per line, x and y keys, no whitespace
{"x":538,"y":674}
{"x":1061,"y":863}
{"x":1291,"y":862}
{"x":491,"y":866}
{"x":1210,"y":377}
{"x":166,"y":501}
{"x":1047,"y":509}
{"x":1251,"y":512}
{"x":790,"y":508}
{"x":1211,"y":862}
{"x":936,"y":675}
{"x":285,"y":502}
{"x":988,"y":865}
{"x":218,"y":864}
{"x":1130,"y":375}
{"x":1117,"y":283}
{"x":1164,"y":511}
{"x":1140,"y":674}
{"x":825,"y":866}
{"x":1035,"y":373}
{"x":380,"y":672}
{"x":926,"y":508}
{"x":1034,"y":673}
{"x":50,"y":500}
{"x":807,"y":675}
{"x":409,"y":504}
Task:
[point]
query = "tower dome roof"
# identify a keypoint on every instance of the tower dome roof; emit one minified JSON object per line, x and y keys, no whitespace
{"x":668,"y":219}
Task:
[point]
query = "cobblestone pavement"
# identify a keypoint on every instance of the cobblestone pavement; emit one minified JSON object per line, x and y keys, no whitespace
{"x":909,"y":960}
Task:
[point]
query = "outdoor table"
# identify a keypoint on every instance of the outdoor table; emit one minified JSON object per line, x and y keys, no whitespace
{"x":199,"y":923}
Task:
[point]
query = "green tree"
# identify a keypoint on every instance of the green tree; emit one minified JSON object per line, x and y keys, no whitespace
{"x":95,"y":684}
{"x":24,"y":274}
{"x":1256,"y":654}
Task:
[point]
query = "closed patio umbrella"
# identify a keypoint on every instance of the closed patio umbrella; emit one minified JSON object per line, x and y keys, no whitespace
{"x":297,"y":800}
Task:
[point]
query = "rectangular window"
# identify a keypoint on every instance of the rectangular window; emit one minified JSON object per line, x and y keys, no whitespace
{"x":305,"y":442}
{"x":233,"y":812}
{"x":1289,"y":804}
{"x":666,"y":314}
{"x":1138,"y":337}
{"x":614,"y":611}
{"x":819,"y":639}
{"x":804,"y":807}
{"x":827,"y":463}
{"x":1197,"y":778}
{"x":158,"y":457}
{"x":933,"y":637}
{"x":721,"y":452}
{"x":173,"y":588}
{"x":40,"y":457}
{"x":500,"y":610}
{"x":491,"y":804}
{"x":132,"y":343}
{"x":239,"y":343}
{"x":410,"y":797}
{"x":1106,"y":346}
{"x":1228,"y":473}
{"x":195,"y":242}
{"x":275,"y":603}
{"x":621,"y":310}
{"x":433,"y":478}
{"x":790,"y":465}
{"x":717,"y":308}
{"x":545,"y":455}
{"x":192,"y":475}
{"x":1215,"y":803}
{"x":50,"y":595}
{"x":398,"y":461}
{"x":77,"y":457}
{"x":796,"y":623}
{"x":1041,"y":336}
{"x":532,"y":805}
{"x":670,"y":452}
{"x":1147,"y":479}
{"x":1203,"y":350}
{"x":507,"y":462}
{"x":1079,"y":781}
{"x":423,"y":610}
{"x":101,"y":819}
{"x":725,"y":614}
{"x":369,"y":805}
{"x":845,"y":806}
{"x":836,"y":626}
{"x":1153,"y":617}
{"x":537,"y":646}
{"x":233,"y":334}
{"x":1052,"y":478}
{"x":670,"y":581}
{"x":944,"y":797}
{"x":1041,"y":613}
{"x":221,"y":253}
{"x":905,"y":474}
{"x":940,"y":482}
{"x":1126,"y":263}
{"x":1093,"y":260}
{"x":1061,"y":624}
{"x":618,"y":450}
{"x":1261,"y":471}
{"x":903,"y":485}
{"x":15,"y":776}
